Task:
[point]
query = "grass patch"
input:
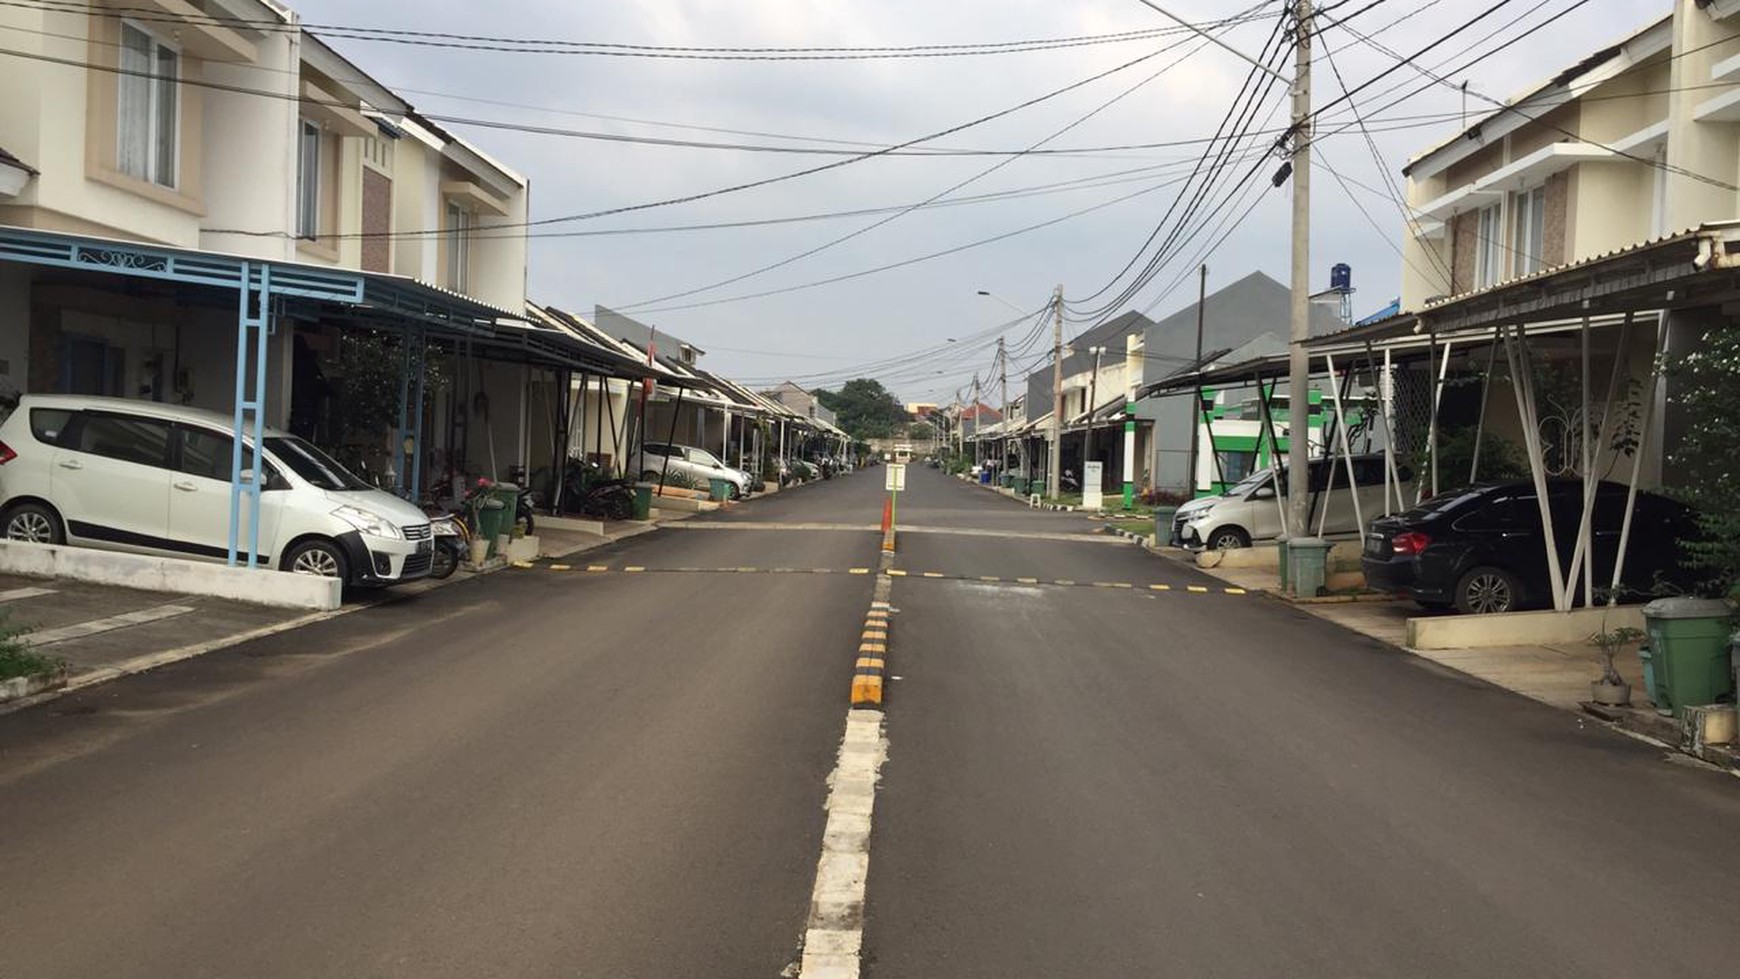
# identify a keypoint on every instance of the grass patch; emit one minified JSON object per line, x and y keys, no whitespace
{"x":16,"y":659}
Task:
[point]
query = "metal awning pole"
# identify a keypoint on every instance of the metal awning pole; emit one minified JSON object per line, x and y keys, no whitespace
{"x":417,"y":416}
{"x":676,"y":412}
{"x":407,"y":367}
{"x":1656,"y":378}
{"x":1274,"y":451}
{"x":1480,"y":423}
{"x":1341,"y":431}
{"x":1392,"y":477}
{"x":1582,"y":555}
{"x":1516,"y":353}
{"x":1432,"y":425}
{"x":1207,"y":420}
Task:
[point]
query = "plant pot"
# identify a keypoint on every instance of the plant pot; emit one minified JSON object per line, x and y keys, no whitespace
{"x":479,"y":550}
{"x":1610,"y":694}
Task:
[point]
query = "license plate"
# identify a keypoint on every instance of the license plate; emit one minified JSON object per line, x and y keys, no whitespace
{"x":425,"y":547}
{"x":1374,"y":545}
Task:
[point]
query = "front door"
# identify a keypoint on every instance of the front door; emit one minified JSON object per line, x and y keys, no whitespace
{"x":199,"y":498}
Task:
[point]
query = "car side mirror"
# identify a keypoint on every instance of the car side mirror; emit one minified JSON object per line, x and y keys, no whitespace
{"x":1263,"y":493}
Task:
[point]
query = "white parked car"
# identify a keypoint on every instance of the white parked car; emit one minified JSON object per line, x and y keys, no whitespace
{"x":1248,"y":512}
{"x":698,"y":465}
{"x":155,"y":479}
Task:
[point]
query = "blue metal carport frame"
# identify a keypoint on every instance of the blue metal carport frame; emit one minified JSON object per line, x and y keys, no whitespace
{"x":262,"y":288}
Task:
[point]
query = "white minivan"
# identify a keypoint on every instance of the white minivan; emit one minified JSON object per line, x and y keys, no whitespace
{"x":699,"y":465}
{"x":1250,"y":513}
{"x":155,"y":479}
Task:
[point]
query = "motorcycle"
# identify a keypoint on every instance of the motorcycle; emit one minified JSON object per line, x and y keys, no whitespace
{"x":450,"y":547}
{"x":587,"y":490}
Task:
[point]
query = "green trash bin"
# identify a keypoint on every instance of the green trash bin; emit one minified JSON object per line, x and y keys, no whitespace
{"x":495,"y":515}
{"x":643,"y":502}
{"x":719,"y":489}
{"x":1308,"y":565}
{"x":1688,"y":642}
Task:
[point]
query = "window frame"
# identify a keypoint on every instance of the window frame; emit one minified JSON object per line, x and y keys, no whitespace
{"x":460,"y":223}
{"x":1528,"y":227}
{"x":308,"y":160}
{"x":158,"y":83}
{"x":1489,"y":247}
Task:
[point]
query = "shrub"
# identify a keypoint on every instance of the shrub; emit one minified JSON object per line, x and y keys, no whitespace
{"x":16,"y":659}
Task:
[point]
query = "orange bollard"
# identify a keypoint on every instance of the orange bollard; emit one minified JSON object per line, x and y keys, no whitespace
{"x":887,"y":514}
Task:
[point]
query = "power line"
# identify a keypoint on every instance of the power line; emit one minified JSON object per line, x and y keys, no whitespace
{"x":1080,"y":120}
{"x":515,"y":45}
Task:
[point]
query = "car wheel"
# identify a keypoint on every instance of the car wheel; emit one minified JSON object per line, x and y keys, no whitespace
{"x":1486,"y":590}
{"x":736,"y":492}
{"x":34,"y":523}
{"x":1228,"y":539}
{"x":319,"y":558}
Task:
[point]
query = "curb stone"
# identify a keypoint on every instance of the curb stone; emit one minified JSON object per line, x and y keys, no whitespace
{"x":20,"y":687}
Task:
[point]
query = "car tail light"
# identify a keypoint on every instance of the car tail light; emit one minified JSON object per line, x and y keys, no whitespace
{"x":6,"y":454}
{"x":1409,"y":542}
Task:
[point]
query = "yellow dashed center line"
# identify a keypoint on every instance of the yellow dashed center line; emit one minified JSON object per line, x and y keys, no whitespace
{"x":1197,"y":589}
{"x":1161,"y":587}
{"x":860,"y":571}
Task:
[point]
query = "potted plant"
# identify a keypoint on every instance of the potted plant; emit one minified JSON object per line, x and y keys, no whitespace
{"x":1611,"y":689}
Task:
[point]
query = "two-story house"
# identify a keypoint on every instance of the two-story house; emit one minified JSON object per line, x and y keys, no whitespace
{"x":206,"y":204}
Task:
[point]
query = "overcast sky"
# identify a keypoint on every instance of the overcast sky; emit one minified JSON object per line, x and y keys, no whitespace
{"x":820,"y":334}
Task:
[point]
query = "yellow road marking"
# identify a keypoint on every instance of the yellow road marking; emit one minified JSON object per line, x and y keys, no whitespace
{"x":1161,"y":587}
{"x":872,"y":647}
{"x":860,"y":571}
{"x":933,"y":574}
{"x":524,"y":564}
{"x":596,"y":568}
{"x":896,"y":573}
{"x":989,"y":578}
{"x":1028,"y":581}
{"x":1200,"y":590}
{"x":1236,"y":591}
{"x":561,"y":567}
{"x":1063,"y":581}
{"x":634,"y":569}
{"x":871,"y":662}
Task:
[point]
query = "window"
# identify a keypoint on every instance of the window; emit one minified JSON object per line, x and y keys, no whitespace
{"x":129,"y":438}
{"x":308,"y":181}
{"x":47,"y":424}
{"x":209,"y":454}
{"x":313,"y":465}
{"x":459,"y":224}
{"x":1488,"y":247}
{"x":1529,"y":230}
{"x":148,"y":109}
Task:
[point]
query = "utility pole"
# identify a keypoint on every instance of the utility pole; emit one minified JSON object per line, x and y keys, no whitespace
{"x":1298,"y":361}
{"x":1054,"y":460}
{"x":1003,"y":381}
{"x":978,"y":425}
{"x":1196,"y":407}
{"x":1087,"y":449}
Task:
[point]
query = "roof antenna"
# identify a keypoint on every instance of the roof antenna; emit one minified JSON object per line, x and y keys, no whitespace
{"x":1464,"y":103}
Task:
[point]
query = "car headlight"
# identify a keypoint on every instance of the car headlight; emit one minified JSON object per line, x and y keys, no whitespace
{"x":368,"y":522}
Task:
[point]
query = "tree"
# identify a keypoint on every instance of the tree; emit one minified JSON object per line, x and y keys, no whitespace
{"x":864,"y":409}
{"x":1708,"y":455}
{"x":922,"y":431}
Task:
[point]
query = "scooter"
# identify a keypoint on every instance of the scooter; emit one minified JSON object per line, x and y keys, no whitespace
{"x":586,"y":491}
{"x":527,"y":499}
{"x":449,"y":546}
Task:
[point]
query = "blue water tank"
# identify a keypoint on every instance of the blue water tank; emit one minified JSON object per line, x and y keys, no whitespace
{"x":1341,"y":277}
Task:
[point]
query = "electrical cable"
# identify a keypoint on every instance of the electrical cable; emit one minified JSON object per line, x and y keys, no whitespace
{"x":1078,"y":121}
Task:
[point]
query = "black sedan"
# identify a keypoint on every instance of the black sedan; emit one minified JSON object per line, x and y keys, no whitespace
{"x":1482,"y":549}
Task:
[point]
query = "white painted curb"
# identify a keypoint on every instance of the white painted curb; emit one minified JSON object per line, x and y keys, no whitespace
{"x":277,"y":589}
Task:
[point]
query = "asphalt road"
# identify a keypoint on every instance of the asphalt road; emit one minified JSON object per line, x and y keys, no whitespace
{"x":1093,"y":782}
{"x":569,"y":773}
{"x":529,"y":774}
